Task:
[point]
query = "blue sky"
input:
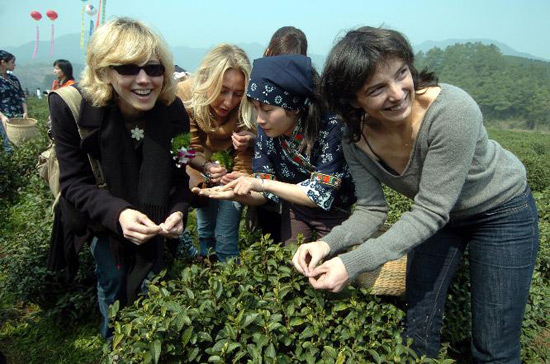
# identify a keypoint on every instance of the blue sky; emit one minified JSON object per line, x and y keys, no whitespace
{"x":521,"y":24}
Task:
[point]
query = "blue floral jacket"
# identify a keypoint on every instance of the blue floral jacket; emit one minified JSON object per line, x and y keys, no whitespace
{"x":12,"y":96}
{"x":324,"y":176}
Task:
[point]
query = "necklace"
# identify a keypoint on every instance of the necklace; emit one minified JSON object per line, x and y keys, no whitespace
{"x":137,"y":133}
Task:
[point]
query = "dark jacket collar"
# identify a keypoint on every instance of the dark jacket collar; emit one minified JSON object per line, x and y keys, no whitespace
{"x":91,"y":119}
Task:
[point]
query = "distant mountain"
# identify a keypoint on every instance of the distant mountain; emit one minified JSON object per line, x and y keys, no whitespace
{"x":505,"y":49}
{"x":66,"y":46}
{"x":37,"y":72}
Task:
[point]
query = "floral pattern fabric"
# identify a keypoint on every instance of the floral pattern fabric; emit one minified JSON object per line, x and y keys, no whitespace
{"x":324,"y":176}
{"x":11,"y":96}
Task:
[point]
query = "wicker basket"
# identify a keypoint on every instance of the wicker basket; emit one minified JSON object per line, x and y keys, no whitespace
{"x":388,"y":279}
{"x":20,"y":130}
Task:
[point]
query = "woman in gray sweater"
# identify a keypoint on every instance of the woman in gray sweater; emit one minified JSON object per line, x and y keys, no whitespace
{"x":427,"y":141}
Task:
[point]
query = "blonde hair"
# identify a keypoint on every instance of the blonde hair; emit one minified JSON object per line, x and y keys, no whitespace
{"x":207,"y":84}
{"x":124,"y":41}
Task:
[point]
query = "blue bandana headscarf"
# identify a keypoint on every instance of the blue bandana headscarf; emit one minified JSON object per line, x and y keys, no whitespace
{"x":284,"y":81}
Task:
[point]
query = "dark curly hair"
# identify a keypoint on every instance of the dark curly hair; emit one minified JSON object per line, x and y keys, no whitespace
{"x":353,"y":61}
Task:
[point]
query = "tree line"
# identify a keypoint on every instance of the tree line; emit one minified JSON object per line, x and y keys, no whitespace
{"x":512,"y":92}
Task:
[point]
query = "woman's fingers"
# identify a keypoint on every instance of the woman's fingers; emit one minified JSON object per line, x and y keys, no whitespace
{"x":296,"y":261}
{"x":309,"y":255}
{"x":137,"y":227}
{"x":331,"y":275}
{"x":301,"y":259}
{"x":173,"y":223}
{"x":242,"y":140}
{"x":229,"y":185}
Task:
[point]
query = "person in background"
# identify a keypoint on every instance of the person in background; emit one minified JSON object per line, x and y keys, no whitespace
{"x":285,"y":40}
{"x":427,"y":141}
{"x":298,"y":152}
{"x":180,"y":74}
{"x":63,"y":69}
{"x":215,"y":98}
{"x":13,"y":102}
{"x":130,"y":107}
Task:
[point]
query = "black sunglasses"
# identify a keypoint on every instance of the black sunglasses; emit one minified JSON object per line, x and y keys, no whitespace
{"x":153,"y":70}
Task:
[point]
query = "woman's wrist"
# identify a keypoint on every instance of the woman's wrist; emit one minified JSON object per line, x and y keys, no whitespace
{"x":324,"y":246}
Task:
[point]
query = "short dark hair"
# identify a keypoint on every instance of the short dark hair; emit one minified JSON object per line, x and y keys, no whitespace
{"x":287,"y":40}
{"x":66,"y":67}
{"x":354,"y":60}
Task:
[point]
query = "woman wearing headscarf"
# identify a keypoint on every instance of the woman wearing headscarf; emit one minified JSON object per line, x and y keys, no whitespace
{"x":298,"y":152}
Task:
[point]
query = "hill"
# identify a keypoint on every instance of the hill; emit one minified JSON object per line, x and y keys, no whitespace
{"x":513,"y":92}
{"x":504,"y":48}
{"x":37,"y":72}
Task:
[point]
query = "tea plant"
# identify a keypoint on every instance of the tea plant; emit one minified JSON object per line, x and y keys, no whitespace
{"x":260,"y":310}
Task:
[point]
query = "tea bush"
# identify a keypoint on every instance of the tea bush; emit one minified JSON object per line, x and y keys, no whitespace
{"x":25,"y":230}
{"x":533,"y":151}
{"x":260,"y":310}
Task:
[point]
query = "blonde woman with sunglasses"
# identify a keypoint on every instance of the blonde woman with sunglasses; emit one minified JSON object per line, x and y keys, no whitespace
{"x":131,"y":112}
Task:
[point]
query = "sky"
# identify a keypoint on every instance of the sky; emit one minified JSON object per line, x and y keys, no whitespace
{"x":523,"y":25}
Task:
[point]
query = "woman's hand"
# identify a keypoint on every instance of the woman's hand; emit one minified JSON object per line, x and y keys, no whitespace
{"x":243,"y":185}
{"x":231,"y":177}
{"x":308,"y":255}
{"x":216,"y":193}
{"x":331,"y":275}
{"x":215,"y":171}
{"x":173,"y":226}
{"x":25,"y":115}
{"x":243,"y":140}
{"x":137,"y":227}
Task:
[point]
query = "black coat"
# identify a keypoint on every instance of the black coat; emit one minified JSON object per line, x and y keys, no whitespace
{"x":91,"y":204}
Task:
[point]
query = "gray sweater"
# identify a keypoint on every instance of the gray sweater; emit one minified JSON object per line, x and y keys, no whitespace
{"x":454,"y":172}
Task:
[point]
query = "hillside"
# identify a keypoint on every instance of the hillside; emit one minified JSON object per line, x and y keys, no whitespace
{"x":513,"y":92}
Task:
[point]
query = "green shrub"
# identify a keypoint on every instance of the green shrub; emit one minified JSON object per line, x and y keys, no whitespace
{"x":538,"y":170}
{"x":536,"y":324}
{"x":260,"y":310}
{"x":16,"y":170}
{"x":25,"y":230}
{"x":532,"y":150}
{"x":27,"y":233}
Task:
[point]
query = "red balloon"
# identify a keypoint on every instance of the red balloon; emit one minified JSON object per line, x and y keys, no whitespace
{"x":36,"y":15}
{"x":51,"y":14}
